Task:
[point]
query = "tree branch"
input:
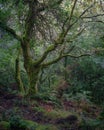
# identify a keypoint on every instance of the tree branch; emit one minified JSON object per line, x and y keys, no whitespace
{"x":78,"y":34}
{"x":59,"y":1}
{"x":94,"y":16}
{"x":62,"y":56}
{"x":69,"y":19}
{"x":45,"y":7}
{"x":80,"y":16}
{"x":97,"y":21}
{"x":59,"y":40}
{"x":48,"y":50}
{"x":10,"y":30}
{"x":29,"y":23}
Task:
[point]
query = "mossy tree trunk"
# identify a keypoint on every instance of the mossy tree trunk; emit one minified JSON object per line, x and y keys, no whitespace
{"x":18,"y":74}
{"x":33,"y":79}
{"x":31,"y":68}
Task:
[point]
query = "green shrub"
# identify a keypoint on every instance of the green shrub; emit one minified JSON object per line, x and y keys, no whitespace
{"x":88,"y":76}
{"x":17,"y":123}
{"x":97,"y":89}
{"x":89,"y":124}
{"x":4,"y":125}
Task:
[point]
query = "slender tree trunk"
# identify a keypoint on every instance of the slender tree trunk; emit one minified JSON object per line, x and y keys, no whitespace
{"x":18,"y":74}
{"x":65,"y":65}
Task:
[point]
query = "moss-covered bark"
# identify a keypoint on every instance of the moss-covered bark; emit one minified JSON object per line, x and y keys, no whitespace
{"x":33,"y":79}
{"x":31,"y":68}
{"x":18,"y":75}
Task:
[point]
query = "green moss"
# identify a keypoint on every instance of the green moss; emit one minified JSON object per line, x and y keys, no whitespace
{"x":91,"y":124}
{"x":30,"y":124}
{"x":39,"y":109}
{"x":46,"y":127}
{"x":57,"y":114}
{"x":4,"y":125}
{"x":23,"y":125}
{"x":54,"y":114}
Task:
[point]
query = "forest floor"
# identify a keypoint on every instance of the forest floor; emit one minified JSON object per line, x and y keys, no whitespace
{"x":70,"y":115}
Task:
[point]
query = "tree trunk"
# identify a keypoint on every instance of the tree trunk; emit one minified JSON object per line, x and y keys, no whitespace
{"x":31,"y":68}
{"x":65,"y":71}
{"x":33,"y":79}
{"x":18,"y":75}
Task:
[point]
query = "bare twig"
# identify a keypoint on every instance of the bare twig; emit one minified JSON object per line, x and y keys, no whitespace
{"x":94,"y":16}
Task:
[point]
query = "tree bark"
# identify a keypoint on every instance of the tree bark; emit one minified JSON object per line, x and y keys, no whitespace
{"x":18,"y":75}
{"x":31,"y":68}
{"x":33,"y":74}
{"x":65,"y":71}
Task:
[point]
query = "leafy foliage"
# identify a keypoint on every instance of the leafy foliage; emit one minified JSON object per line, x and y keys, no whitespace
{"x":88,"y":76}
